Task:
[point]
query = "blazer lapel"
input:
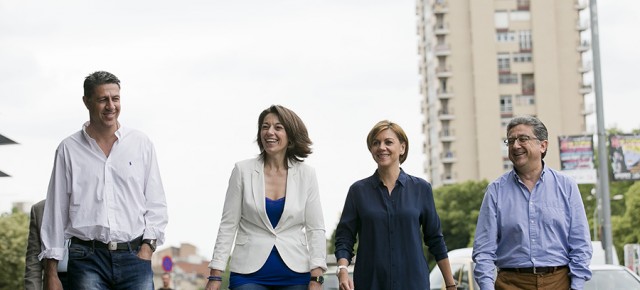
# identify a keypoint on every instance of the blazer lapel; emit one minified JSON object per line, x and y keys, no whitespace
{"x":257,"y":183}
{"x":291,"y":194}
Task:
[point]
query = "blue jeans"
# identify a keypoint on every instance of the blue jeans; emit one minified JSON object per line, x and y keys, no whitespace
{"x":266,"y":287}
{"x":101,"y":269}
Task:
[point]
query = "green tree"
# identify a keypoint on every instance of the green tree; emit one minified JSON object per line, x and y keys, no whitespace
{"x":458,"y":206}
{"x":13,"y":245}
{"x":624,"y":228}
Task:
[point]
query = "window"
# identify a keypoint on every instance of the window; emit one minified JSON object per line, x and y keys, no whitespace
{"x":508,"y":78}
{"x":443,"y":85}
{"x":525,"y":100}
{"x":504,"y":64}
{"x":522,"y":57}
{"x":503,"y":124}
{"x":506,"y":105}
{"x":528,"y":84}
{"x":505,"y":36}
{"x":525,"y":40}
{"x":523,"y":4}
{"x":506,"y":164}
{"x":520,"y":16}
{"x":504,"y":149}
{"x":439,"y":21}
{"x":501,"y":19}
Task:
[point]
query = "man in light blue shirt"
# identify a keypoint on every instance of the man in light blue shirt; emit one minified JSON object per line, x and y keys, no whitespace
{"x":532,"y":225}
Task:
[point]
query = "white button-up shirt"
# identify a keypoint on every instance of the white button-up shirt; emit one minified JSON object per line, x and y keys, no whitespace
{"x":109,"y":199}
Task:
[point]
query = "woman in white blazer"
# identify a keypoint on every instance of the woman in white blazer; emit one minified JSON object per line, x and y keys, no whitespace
{"x":272,"y":217}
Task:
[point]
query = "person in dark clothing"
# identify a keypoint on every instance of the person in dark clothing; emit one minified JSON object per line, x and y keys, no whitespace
{"x":387,"y":212}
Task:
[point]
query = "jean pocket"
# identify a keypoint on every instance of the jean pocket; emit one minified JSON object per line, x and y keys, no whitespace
{"x":77,"y":252}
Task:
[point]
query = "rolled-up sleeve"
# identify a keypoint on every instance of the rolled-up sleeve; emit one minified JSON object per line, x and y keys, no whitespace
{"x":56,"y":212}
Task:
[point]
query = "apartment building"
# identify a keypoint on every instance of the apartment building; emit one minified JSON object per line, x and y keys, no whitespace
{"x":484,"y":62}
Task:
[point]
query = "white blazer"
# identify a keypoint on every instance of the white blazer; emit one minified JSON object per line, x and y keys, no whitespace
{"x":299,"y":235}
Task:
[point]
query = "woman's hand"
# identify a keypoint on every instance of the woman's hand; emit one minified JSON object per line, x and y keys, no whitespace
{"x":344,"y":282}
{"x":213,"y":285}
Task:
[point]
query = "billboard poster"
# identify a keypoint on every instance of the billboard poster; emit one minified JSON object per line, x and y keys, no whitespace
{"x":576,"y":158}
{"x":624,"y":153}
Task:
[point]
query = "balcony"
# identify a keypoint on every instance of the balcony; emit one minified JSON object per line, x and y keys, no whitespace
{"x":447,"y":135}
{"x":445,"y":93}
{"x":582,"y":26}
{"x":585,"y":89}
{"x":441,"y":29}
{"x":448,"y":178}
{"x":443,"y":71}
{"x":528,"y":90}
{"x":581,"y":5}
{"x":588,"y":110}
{"x":446,"y":114}
{"x":583,"y":46}
{"x":448,"y":157}
{"x":585,"y":68}
{"x":440,"y":7}
{"x":442,"y":50}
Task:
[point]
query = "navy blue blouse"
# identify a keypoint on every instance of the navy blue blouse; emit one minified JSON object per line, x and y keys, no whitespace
{"x":388,"y":230}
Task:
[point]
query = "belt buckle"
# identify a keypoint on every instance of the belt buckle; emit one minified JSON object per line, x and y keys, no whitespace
{"x":113,"y":246}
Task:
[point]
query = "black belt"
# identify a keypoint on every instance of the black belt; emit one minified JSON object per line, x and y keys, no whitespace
{"x":534,"y":270}
{"x":112,"y":246}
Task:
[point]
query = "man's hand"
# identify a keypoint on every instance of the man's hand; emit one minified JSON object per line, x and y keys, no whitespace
{"x":145,"y":252}
{"x":51,"y":279}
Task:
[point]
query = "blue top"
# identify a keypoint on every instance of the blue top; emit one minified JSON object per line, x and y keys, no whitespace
{"x":274,"y":271}
{"x":388,"y":227}
{"x":542,"y":228}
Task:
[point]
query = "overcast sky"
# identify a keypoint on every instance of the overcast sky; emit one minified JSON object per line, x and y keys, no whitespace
{"x":196,"y":74}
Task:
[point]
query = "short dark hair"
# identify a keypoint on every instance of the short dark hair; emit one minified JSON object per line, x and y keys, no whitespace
{"x":386,"y":124}
{"x":96,"y":79}
{"x":299,"y":142}
{"x":539,"y":129}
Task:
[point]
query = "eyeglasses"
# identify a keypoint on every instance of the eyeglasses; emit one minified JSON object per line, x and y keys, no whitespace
{"x":522,"y":139}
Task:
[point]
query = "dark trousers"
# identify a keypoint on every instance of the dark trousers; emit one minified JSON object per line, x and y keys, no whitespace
{"x":102,"y":269}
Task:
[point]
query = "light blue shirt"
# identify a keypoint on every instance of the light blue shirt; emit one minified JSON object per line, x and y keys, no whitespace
{"x":542,"y":228}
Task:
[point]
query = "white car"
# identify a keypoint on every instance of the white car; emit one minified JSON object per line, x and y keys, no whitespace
{"x":609,"y":277}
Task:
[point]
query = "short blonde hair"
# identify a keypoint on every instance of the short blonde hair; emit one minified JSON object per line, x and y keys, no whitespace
{"x":386,"y":124}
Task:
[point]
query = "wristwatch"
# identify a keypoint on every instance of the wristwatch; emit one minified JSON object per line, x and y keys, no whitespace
{"x":340,"y":267}
{"x":319,"y":279}
{"x":151,"y":243}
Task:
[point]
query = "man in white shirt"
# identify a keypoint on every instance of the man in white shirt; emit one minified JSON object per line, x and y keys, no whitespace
{"x":106,"y":196}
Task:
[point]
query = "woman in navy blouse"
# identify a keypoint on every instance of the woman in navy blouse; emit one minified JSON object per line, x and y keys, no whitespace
{"x":387,"y":212}
{"x":272,"y":214}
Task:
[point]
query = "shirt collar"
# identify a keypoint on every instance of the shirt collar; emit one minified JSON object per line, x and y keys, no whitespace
{"x":86,"y":124}
{"x":402,"y":178}
{"x":544,"y":169}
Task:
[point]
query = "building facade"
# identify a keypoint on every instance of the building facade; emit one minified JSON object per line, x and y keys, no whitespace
{"x":484,"y":62}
